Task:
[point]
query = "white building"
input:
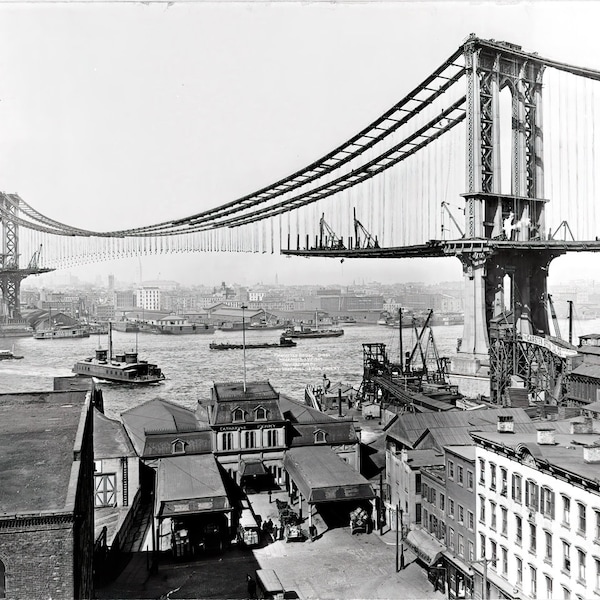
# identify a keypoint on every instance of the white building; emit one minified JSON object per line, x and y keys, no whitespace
{"x":538,"y":513}
{"x":148,"y":298}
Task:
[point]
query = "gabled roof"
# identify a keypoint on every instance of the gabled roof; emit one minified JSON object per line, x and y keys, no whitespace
{"x":158,"y":416}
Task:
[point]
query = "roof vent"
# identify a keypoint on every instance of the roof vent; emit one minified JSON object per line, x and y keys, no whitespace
{"x":545,"y":436}
{"x":591,"y":453}
{"x":584,"y":425}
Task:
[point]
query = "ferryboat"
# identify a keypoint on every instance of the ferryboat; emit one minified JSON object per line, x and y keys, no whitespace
{"x":120,"y":368}
{"x":55,"y":333}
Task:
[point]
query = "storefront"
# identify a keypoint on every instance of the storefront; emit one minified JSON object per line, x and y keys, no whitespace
{"x":192,"y":510}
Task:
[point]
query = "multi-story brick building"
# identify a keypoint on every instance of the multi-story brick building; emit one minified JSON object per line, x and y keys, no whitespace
{"x":46,"y":495}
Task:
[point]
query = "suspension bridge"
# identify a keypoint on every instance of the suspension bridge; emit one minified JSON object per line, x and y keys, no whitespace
{"x":490,"y":159}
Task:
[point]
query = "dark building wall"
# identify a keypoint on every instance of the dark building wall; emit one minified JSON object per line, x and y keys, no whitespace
{"x":37,"y":553}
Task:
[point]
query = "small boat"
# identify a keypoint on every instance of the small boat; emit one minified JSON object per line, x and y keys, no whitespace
{"x":309,"y":332}
{"x":120,"y":368}
{"x":284,"y":342}
{"x":9,"y":355}
{"x":62,"y":333}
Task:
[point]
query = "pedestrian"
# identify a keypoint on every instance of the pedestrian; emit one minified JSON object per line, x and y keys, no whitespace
{"x":251,"y":587}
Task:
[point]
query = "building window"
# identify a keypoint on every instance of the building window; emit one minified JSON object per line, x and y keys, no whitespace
{"x":481,"y":471}
{"x":320,"y":436}
{"x":533,"y":585}
{"x":451,"y":538}
{"x":548,"y":557}
{"x":105,"y":490}
{"x":424,"y":516}
{"x":272,"y":438}
{"x":547,"y":502}
{"x":481,"y":545}
{"x":450,"y":469}
{"x":461,"y":515}
{"x":504,"y":560}
{"x":227,"y":440}
{"x":566,"y":557}
{"x":494,"y":556}
{"x":237,"y":414}
{"x":596,"y":582}
{"x":519,"y":528}
{"x":470,"y":480}
{"x":418,"y":483}
{"x":249,"y":439}
{"x":516,"y":488}
{"x":581,"y":519}
{"x":432,"y":496}
{"x":261,"y":413}
{"x":451,"y":508}
{"x":470,"y":520}
{"x":425,"y":491}
{"x":503,"y":481}
{"x":493,"y":515}
{"x":461,"y":545}
{"x":548,"y":587}
{"x":2,"y":580}
{"x":459,"y":474}
{"x":492,"y":477}
{"x":566,"y":511}
{"x":481,"y":509}
{"x":471,"y":547}
{"x":597,"y":525}
{"x":580,"y":565}
{"x":178,"y":447}
{"x":504,"y":521}
{"x":519,"y":570}
{"x":442,"y":502}
{"x":532,"y":538}
{"x":418,"y":512}
{"x":531,"y":495}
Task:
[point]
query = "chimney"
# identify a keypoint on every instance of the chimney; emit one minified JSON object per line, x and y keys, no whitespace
{"x":506,"y":424}
{"x":591,"y":454}
{"x":584,"y":425}
{"x":545,"y":436}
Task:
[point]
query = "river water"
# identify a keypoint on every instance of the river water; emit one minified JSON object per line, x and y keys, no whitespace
{"x":191,"y":367}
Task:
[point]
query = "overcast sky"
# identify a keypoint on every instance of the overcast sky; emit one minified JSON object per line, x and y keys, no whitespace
{"x":116,"y":115}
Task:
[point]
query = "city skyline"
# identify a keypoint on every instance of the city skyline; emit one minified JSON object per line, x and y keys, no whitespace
{"x":191,"y":105}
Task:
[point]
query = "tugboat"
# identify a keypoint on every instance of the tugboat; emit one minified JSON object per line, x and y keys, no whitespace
{"x":120,"y":368}
{"x":9,"y":355}
{"x":284,"y":342}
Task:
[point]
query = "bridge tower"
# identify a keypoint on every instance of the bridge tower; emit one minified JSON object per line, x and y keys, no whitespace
{"x":502,"y":275}
{"x":10,"y":273}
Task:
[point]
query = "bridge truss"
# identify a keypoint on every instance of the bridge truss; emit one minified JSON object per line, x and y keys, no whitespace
{"x":470,"y":137}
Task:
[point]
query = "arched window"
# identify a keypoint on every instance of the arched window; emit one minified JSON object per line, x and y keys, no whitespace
{"x":2,"y":580}
{"x":261,"y":413}
{"x":320,"y":436}
{"x":237,"y":414}
{"x":178,"y":447}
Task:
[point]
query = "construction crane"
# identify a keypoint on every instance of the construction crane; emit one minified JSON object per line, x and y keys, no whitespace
{"x":445,"y":207}
{"x":327,"y":235}
{"x":554,"y":318}
{"x":369,"y":240}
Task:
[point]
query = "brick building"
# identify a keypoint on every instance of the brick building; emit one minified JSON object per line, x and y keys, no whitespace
{"x":46,"y":495}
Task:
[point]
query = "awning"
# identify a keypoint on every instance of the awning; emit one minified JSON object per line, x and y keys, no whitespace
{"x":424,"y":546}
{"x":322,"y":476}
{"x":249,"y":468}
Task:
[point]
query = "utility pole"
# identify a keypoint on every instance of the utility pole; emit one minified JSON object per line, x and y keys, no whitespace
{"x":244,"y":307}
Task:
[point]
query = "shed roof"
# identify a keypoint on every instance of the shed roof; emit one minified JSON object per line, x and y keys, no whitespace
{"x":190,"y":484}
{"x":322,"y":476}
{"x":110,"y":438}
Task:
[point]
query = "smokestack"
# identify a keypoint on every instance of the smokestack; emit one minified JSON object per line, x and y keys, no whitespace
{"x":506,"y":424}
{"x":545,"y":436}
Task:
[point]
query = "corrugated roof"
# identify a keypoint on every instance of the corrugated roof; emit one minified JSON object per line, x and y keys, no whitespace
{"x":451,"y":427}
{"x":587,"y":370}
{"x":182,"y":478}
{"x":322,"y":476}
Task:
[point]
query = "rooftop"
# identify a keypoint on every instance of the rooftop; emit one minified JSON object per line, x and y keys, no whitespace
{"x":38,"y":432}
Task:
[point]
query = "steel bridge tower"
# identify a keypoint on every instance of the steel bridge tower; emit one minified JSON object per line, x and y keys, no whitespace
{"x":10,"y":273}
{"x":517,"y":216}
